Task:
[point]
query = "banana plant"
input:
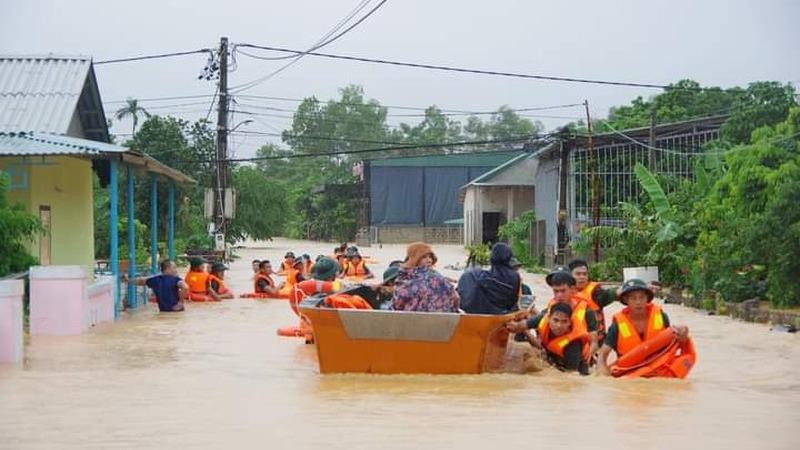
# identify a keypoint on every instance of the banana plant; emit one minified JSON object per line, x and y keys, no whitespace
{"x":668,"y":228}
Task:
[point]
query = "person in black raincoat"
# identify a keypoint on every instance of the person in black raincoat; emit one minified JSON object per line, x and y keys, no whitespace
{"x":493,"y":291}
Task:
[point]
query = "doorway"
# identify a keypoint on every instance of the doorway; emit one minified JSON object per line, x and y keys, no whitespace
{"x":491,"y":224}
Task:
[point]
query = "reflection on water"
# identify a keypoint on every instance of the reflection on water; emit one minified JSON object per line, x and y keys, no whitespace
{"x":217,"y":376}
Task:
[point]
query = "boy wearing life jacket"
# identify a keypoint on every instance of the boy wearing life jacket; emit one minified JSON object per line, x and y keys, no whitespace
{"x":355,"y":266}
{"x":216,"y":282}
{"x":168,"y":288}
{"x":639,"y":322}
{"x":197,"y":280}
{"x":264,"y":284}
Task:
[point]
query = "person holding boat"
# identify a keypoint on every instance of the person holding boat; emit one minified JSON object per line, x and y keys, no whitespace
{"x":565,"y":341}
{"x":645,"y":343}
{"x":418,"y":287}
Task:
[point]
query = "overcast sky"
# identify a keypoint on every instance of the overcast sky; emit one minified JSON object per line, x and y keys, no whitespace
{"x":719,"y":42}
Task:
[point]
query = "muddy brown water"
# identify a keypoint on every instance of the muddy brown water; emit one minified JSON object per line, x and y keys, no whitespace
{"x":217,"y":376}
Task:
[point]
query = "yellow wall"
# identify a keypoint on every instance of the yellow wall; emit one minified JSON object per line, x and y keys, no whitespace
{"x":65,"y":184}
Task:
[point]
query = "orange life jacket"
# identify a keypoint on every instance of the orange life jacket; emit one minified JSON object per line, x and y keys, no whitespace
{"x":259,"y":277}
{"x":286,"y":265}
{"x":585,"y":294}
{"x":579,"y":332}
{"x":346,"y":301}
{"x":355,"y":270}
{"x":291,"y":276}
{"x":628,"y":337}
{"x":221,"y":289}
{"x":306,"y":288}
{"x":197,"y":281}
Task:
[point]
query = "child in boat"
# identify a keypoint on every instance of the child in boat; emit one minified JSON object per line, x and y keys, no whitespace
{"x":216,"y":284}
{"x":197,"y":280}
{"x":168,"y":288}
{"x":264,"y":283}
{"x":562,"y":336}
{"x":637,"y":323}
{"x":355,"y":267}
{"x":385,"y":290}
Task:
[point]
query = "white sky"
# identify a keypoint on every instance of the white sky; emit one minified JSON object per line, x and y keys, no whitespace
{"x":716,"y":42}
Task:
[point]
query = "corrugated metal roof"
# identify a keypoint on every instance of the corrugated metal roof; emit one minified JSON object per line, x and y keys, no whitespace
{"x":485,"y":159}
{"x":40,"y":144}
{"x":40,"y":93}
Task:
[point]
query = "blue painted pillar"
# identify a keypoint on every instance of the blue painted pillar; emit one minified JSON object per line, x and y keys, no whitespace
{"x":132,"y":301}
{"x":171,"y":221}
{"x":153,"y":224}
{"x":113,"y":228}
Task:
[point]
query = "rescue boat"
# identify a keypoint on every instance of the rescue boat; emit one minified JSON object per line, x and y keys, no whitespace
{"x":399,"y":342}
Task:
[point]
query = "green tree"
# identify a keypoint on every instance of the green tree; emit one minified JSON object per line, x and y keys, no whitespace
{"x":261,"y":206}
{"x":132,"y":110}
{"x":17,"y":228}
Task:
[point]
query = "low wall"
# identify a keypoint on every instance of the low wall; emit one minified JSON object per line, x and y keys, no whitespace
{"x":754,"y":310}
{"x":11,"y":343}
{"x":404,"y":234}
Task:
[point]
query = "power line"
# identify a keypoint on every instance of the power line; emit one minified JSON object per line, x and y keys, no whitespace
{"x":319,"y":45}
{"x":158,"y":99}
{"x":383,"y":149}
{"x":157,"y":56}
{"x":461,"y":69}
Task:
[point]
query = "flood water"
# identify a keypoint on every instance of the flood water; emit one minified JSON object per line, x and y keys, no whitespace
{"x":218,"y":376}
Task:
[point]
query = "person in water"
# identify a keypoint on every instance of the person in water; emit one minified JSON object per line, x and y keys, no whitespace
{"x":264,"y":284}
{"x":355,"y":265}
{"x":167,"y":286}
{"x":255,"y":265}
{"x":216,"y":282}
{"x":420,"y":288}
{"x":637,"y":323}
{"x":592,"y":293}
{"x":197,"y":280}
{"x":287,"y":263}
{"x":562,"y":336}
{"x":562,"y":284}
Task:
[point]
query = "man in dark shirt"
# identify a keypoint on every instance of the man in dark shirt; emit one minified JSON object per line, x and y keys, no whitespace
{"x":169,"y":289}
{"x":572,"y":357}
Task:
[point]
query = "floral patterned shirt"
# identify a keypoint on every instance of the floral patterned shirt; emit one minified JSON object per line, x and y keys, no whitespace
{"x":424,"y":290}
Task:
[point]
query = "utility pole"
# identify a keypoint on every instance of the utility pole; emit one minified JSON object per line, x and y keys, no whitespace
{"x":221,"y":176}
{"x":594,"y":184}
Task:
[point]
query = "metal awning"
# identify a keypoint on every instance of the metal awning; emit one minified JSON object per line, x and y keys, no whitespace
{"x":46,"y":144}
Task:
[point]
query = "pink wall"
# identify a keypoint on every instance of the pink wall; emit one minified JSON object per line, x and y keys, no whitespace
{"x":11,"y":344}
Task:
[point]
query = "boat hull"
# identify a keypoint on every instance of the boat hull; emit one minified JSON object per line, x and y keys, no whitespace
{"x":396,"y":342}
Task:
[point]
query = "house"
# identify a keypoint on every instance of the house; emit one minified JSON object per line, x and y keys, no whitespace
{"x":54,"y":139}
{"x":497,"y":197}
{"x":415,"y":198}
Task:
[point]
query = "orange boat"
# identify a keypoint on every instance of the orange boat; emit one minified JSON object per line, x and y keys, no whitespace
{"x":393,"y":342}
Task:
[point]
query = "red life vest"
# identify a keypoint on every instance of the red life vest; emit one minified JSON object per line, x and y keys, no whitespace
{"x":585,"y":294}
{"x":197,"y":281}
{"x":259,"y":277}
{"x":355,"y":270}
{"x":628,"y":337}
{"x":221,"y":289}
{"x":578,"y":332}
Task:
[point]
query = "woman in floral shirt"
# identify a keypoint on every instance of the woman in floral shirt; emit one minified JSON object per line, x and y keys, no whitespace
{"x":420,"y":288}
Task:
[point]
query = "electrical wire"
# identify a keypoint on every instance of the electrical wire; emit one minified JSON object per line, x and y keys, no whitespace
{"x":157,"y":56}
{"x":463,"y":70}
{"x":299,"y":56}
{"x":383,"y":149}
